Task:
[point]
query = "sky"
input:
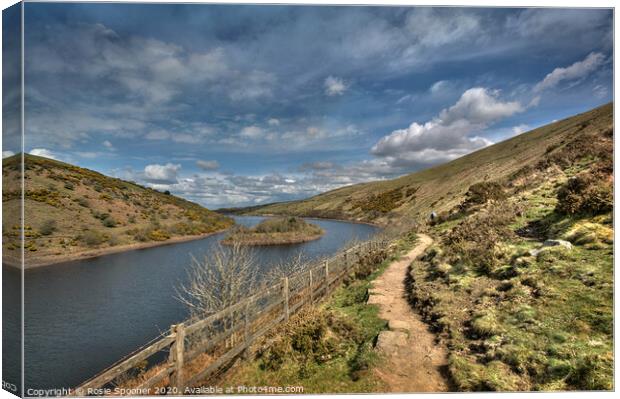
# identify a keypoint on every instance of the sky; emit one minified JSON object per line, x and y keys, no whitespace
{"x":230,"y":105}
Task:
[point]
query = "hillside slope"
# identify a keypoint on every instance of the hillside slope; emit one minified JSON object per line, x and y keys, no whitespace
{"x":519,"y":283}
{"x":72,"y":212}
{"x":441,"y":187}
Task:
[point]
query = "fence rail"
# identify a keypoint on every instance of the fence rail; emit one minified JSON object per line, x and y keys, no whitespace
{"x":207,"y":345}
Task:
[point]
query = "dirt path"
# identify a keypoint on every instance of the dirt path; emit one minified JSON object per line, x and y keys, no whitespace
{"x":413,"y":360}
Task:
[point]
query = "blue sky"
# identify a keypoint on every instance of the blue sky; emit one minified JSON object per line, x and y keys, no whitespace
{"x":241,"y":105}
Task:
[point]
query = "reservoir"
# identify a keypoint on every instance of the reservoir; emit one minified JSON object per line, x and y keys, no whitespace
{"x":84,"y":315}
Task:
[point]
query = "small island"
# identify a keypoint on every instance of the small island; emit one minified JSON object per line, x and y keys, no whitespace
{"x":275,"y":231}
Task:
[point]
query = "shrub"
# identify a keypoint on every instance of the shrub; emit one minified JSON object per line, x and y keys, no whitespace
{"x":109,"y":222}
{"x":158,"y":235}
{"x":92,"y":238}
{"x":474,"y":240}
{"x":593,"y":372}
{"x":69,"y":185}
{"x":383,"y":202}
{"x":83,"y":202}
{"x":586,"y":193}
{"x":481,"y":193}
{"x":113,"y":240}
{"x":48,"y":227}
{"x":586,"y":144}
{"x":304,"y":337}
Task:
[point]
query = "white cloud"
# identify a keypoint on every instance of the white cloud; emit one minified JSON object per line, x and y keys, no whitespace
{"x":438,"y":86}
{"x":522,"y":128}
{"x":318,"y":165}
{"x":251,"y":132}
{"x":578,"y":70}
{"x":107,"y":144}
{"x":334,"y":86}
{"x":157,"y":135}
{"x":42,"y":152}
{"x":437,"y":27}
{"x":187,"y":133}
{"x":6,"y":154}
{"x":167,"y":173}
{"x":600,"y":91}
{"x":448,"y":135}
{"x":405,"y":98}
{"x":208,"y":165}
{"x":273,"y":122}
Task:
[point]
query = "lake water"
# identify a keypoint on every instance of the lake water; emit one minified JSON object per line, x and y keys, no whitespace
{"x":82,"y":316}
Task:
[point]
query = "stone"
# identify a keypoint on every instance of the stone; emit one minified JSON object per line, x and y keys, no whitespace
{"x":398,"y":325}
{"x":389,"y":341}
{"x":555,"y":243}
{"x":550,"y":244}
{"x":375,"y":300}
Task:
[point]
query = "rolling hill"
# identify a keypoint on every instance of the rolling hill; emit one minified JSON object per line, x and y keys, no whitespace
{"x":72,"y":212}
{"x":442,"y":187}
{"x":518,"y":283}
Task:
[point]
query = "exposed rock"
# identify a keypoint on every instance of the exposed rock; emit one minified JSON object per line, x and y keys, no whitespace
{"x":389,"y":341}
{"x":555,"y":243}
{"x":551,"y":244}
{"x":398,"y":325}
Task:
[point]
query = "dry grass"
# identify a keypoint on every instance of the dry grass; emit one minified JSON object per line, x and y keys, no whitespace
{"x":443,"y":187}
{"x":86,"y":204}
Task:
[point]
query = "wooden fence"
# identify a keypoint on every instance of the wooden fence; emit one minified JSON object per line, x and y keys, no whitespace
{"x":208,"y":345}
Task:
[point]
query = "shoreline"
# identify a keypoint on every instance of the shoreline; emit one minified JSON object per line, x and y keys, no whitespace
{"x":97,"y":252}
{"x":308,"y":217}
{"x":259,"y":243}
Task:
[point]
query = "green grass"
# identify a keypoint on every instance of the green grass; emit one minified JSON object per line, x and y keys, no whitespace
{"x":526,"y":322}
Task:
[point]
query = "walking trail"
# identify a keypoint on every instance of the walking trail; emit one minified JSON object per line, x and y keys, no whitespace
{"x":413,"y":360}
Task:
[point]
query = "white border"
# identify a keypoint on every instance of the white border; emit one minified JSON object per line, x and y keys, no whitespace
{"x":466,"y":3}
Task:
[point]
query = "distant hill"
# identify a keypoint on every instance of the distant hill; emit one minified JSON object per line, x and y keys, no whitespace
{"x":442,"y":187}
{"x":72,"y":212}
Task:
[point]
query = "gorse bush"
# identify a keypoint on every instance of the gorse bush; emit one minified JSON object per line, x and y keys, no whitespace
{"x":282,"y":225}
{"x":583,"y":145}
{"x":473,"y":241}
{"x":481,"y":193}
{"x":586,"y":193}
{"x":109,"y":222}
{"x":92,"y":238}
{"x":304,"y":337}
{"x":48,"y":227}
{"x":383,"y":202}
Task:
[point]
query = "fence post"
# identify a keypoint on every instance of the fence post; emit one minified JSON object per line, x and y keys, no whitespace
{"x":326,"y":277}
{"x":285,"y":290}
{"x":311,"y":287}
{"x":177,"y":351}
{"x":246,"y":330}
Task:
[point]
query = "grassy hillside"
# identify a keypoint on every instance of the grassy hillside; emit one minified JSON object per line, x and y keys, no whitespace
{"x":72,"y":211}
{"x":441,"y":187}
{"x":519,"y":284}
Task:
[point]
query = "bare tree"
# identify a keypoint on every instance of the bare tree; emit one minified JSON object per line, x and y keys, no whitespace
{"x":220,"y":279}
{"x":283,"y":269}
